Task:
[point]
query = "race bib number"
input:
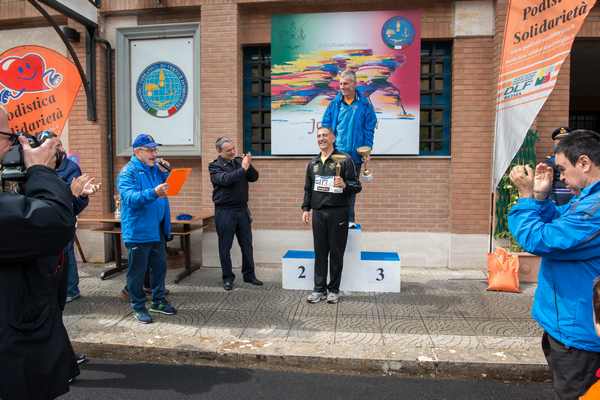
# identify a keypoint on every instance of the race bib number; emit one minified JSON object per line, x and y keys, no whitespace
{"x":325,"y":184}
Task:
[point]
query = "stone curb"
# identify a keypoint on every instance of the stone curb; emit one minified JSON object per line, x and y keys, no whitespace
{"x":304,"y":363}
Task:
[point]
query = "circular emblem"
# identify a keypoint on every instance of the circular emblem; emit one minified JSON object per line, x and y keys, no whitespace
{"x":397,"y":33}
{"x":162,"y":89}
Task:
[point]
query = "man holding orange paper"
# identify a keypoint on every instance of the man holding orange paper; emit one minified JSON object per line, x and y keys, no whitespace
{"x":230,"y":176}
{"x":145,"y":222}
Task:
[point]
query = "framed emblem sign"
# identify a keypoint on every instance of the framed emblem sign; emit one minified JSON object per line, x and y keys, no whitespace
{"x":158,"y":87}
{"x":161,"y":89}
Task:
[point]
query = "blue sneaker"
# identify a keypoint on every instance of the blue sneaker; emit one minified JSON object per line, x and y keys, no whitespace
{"x":143,"y":317}
{"x":163,"y":308}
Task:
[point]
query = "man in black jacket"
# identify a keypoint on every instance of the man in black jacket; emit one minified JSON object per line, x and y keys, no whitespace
{"x":327,"y":192}
{"x":230,"y":176}
{"x":36,"y":357}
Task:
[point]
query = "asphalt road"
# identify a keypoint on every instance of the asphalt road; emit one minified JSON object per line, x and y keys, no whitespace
{"x":108,"y":380}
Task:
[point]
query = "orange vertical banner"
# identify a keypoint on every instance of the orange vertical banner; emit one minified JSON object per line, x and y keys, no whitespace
{"x":38,"y":87}
{"x":537,"y":38}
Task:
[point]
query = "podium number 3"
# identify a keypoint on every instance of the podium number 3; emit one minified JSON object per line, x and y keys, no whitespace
{"x":302,"y":271}
{"x":380,"y":275}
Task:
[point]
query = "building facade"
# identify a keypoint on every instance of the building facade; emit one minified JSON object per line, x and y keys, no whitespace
{"x":434,"y":208}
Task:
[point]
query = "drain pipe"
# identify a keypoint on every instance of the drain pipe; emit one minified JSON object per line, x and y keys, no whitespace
{"x":109,"y":122}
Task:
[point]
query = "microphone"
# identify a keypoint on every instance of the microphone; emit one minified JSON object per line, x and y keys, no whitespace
{"x":164,"y":165}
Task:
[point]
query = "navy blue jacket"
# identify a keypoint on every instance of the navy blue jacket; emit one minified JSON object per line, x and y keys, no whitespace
{"x":560,"y":193}
{"x":67,"y":171}
{"x":230,"y":182}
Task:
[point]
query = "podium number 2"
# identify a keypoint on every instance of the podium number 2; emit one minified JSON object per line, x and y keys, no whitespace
{"x":380,"y":275}
{"x":302,"y":271}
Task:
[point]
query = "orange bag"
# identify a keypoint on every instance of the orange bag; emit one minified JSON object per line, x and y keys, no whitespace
{"x":503,"y":271}
{"x":593,"y":392}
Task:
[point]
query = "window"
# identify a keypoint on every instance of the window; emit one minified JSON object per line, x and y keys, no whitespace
{"x":257,"y":100}
{"x":436,"y":89}
{"x":588,"y":120}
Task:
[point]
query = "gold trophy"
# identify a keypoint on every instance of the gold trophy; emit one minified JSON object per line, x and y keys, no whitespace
{"x":338,"y":158}
{"x":117,"y":212}
{"x":365,"y":152}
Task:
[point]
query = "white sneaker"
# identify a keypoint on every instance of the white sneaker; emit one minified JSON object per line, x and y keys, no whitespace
{"x":333,"y":298}
{"x":316,"y":297}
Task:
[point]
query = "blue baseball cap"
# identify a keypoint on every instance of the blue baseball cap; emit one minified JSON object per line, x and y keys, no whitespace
{"x":145,"y":140}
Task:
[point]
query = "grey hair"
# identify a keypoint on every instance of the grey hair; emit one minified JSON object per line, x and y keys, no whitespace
{"x":348,"y":74}
{"x":221,"y":142}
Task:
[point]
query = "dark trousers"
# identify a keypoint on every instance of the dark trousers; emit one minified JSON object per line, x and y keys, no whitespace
{"x":62,"y":285}
{"x":330,"y":234}
{"x":573,"y":370}
{"x":144,"y":257}
{"x":236,"y":222}
{"x":351,"y":213}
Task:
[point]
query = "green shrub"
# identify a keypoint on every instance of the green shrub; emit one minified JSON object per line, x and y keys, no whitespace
{"x":507,"y":194}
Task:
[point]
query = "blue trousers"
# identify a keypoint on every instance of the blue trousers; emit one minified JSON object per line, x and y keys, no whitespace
{"x":231,"y":222}
{"x":72,"y":274}
{"x":143,"y":257}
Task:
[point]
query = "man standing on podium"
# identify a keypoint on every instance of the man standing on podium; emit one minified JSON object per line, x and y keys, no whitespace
{"x":351,"y":117}
{"x":331,"y":180}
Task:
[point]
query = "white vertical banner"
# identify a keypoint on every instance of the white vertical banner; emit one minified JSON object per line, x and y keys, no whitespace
{"x":537,"y":39}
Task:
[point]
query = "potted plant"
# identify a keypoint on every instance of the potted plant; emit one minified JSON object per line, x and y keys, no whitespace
{"x":506,"y":197}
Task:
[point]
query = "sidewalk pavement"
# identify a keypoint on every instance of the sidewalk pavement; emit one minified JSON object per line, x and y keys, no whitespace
{"x":443,"y":323}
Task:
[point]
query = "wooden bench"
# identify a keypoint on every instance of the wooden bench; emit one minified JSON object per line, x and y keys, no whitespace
{"x":183,"y":229}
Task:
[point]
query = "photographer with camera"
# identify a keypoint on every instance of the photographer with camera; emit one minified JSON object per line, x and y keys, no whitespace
{"x":36,"y":357}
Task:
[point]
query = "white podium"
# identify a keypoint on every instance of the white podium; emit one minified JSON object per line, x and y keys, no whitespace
{"x":364,"y":271}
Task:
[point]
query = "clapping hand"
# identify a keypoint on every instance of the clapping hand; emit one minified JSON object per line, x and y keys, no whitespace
{"x":529,"y":184}
{"x":246,"y":161}
{"x":542,"y":184}
{"x":84,"y":186}
{"x":522,"y":177}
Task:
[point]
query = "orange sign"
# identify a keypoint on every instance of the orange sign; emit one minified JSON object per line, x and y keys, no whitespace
{"x":38,"y":87}
{"x":537,"y":39}
{"x":176,"y":179}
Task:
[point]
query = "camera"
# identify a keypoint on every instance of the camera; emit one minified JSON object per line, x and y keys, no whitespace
{"x":13,"y":163}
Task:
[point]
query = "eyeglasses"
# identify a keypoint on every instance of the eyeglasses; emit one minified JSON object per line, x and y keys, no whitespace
{"x":149,"y":150}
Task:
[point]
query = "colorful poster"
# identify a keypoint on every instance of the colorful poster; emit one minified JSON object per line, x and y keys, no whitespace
{"x":310,"y":50}
{"x":537,"y":39}
{"x":38,"y":87}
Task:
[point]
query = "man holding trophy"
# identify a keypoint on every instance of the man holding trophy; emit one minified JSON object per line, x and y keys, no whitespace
{"x":351,"y":118}
{"x":330,"y":182}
